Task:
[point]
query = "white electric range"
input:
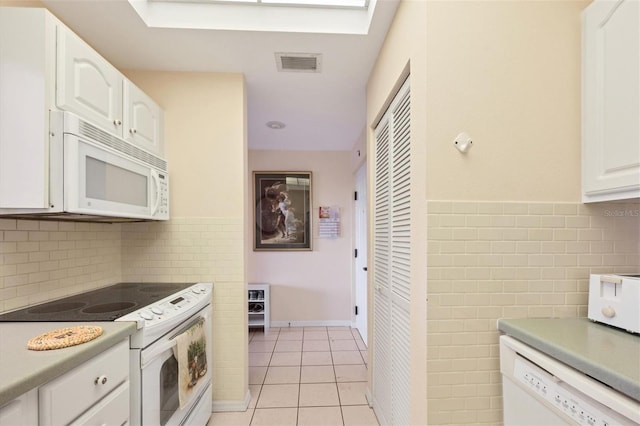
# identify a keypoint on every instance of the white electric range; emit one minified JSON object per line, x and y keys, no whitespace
{"x":162,"y":312}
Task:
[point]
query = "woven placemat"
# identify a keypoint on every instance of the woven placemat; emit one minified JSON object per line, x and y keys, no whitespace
{"x":64,"y":337}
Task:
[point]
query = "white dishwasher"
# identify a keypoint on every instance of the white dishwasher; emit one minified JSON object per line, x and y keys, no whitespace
{"x":541,"y":391}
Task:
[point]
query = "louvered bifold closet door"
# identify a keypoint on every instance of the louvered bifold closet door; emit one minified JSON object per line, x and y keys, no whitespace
{"x":381,"y":274}
{"x":400,"y":263}
{"x":391,"y":263}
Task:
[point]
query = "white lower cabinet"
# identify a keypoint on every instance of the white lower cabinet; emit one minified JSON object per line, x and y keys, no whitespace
{"x":96,"y":392}
{"x":21,"y":411}
{"x":111,"y":410}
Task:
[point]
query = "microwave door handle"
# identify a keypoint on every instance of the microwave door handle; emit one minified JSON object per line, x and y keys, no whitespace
{"x":156,"y":182}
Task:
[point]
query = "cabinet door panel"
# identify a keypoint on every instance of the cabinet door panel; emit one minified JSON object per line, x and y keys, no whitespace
{"x":21,"y":411}
{"x":87,"y":84}
{"x":611,"y":129}
{"x":111,"y":410}
{"x":65,"y":398}
{"x":142,"y":120}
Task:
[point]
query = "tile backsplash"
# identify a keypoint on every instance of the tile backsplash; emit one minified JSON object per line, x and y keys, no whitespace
{"x":490,"y":260}
{"x":200,"y":249}
{"x":486,"y":260}
{"x":45,"y":260}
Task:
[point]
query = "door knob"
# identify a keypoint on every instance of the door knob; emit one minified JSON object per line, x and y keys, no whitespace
{"x":364,"y":268}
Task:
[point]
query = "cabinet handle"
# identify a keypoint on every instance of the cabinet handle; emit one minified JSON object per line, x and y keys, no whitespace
{"x":133,"y":131}
{"x":101,"y":380}
{"x":117,"y":122}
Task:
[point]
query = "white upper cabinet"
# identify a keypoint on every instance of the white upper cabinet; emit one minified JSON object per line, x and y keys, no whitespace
{"x":143,"y":119}
{"x":611,"y":100}
{"x":93,"y":88}
{"x":87,"y":84}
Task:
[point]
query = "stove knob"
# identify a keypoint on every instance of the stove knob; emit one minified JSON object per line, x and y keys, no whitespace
{"x":146,"y":315}
{"x":156,"y":310}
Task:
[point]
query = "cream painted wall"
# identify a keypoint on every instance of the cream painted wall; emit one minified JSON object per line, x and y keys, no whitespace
{"x":309,"y":287}
{"x":205,"y":137}
{"x":508,"y":73}
{"x":21,"y":3}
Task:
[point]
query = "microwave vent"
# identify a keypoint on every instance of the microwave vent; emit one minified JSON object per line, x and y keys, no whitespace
{"x":120,"y":145}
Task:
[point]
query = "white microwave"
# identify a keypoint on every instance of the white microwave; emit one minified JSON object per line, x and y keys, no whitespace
{"x":96,"y":176}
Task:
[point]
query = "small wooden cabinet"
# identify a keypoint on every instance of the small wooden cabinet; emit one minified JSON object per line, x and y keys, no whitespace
{"x":611,"y":100}
{"x":258,"y":306}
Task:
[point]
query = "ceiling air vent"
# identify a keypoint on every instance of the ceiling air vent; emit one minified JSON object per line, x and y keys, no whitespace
{"x":299,"y":62}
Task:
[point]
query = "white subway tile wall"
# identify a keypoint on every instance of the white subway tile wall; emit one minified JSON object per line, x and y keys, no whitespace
{"x":485,"y":261}
{"x":46,"y":260}
{"x":199,"y":249}
{"x":490,"y":260}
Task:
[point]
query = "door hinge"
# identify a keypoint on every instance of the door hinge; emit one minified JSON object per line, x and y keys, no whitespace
{"x":355,"y":252}
{"x":355,"y":196}
{"x":356,"y":310}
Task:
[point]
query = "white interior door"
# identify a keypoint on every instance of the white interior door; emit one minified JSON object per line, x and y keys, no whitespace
{"x":361,"y":250}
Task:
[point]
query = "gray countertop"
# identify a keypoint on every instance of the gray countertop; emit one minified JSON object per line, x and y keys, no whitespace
{"x":605,"y":353}
{"x":22,"y":370}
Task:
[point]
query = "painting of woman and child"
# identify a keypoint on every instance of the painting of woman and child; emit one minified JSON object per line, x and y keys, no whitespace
{"x":282,"y":212}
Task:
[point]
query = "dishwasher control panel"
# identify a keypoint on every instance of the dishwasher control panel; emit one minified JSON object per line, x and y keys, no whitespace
{"x":563,"y":398}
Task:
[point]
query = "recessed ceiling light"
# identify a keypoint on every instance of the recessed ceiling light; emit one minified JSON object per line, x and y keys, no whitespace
{"x":276,"y":125}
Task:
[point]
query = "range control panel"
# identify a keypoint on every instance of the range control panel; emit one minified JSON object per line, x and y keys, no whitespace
{"x":556,"y":393}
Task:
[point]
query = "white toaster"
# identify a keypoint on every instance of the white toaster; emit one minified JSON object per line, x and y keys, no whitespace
{"x":615,"y":300}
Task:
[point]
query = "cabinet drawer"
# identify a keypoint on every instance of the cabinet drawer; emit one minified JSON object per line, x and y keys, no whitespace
{"x":66,"y":397}
{"x":112,"y":410}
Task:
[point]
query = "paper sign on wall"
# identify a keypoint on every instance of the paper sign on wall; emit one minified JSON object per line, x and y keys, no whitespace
{"x":329,"y":222}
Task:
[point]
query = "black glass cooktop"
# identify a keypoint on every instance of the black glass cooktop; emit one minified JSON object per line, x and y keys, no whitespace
{"x":105,"y":304}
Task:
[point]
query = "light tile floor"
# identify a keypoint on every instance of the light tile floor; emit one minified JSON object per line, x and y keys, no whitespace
{"x":305,"y":376}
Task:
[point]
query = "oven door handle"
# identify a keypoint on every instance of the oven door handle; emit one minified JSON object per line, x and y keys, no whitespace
{"x":148,"y":355}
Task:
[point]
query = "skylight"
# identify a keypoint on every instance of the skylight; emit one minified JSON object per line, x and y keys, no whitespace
{"x":362,"y":4}
{"x":302,"y":16}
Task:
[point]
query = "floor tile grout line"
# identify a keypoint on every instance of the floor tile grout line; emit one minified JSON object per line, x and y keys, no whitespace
{"x":300,"y":365}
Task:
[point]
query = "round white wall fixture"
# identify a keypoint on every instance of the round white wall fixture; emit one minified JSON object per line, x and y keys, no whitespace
{"x":463,"y":142}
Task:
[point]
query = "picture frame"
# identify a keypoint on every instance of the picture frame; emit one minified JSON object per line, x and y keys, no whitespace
{"x":282,"y":211}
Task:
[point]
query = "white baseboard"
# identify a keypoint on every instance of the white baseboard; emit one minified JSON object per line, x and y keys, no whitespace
{"x":221,"y":406}
{"x":327,"y":323}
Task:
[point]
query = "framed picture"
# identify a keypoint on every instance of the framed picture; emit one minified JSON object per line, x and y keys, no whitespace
{"x":282,"y":213}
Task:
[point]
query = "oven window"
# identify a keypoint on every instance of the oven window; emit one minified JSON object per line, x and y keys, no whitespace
{"x":169,"y":399}
{"x":112,"y":183}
